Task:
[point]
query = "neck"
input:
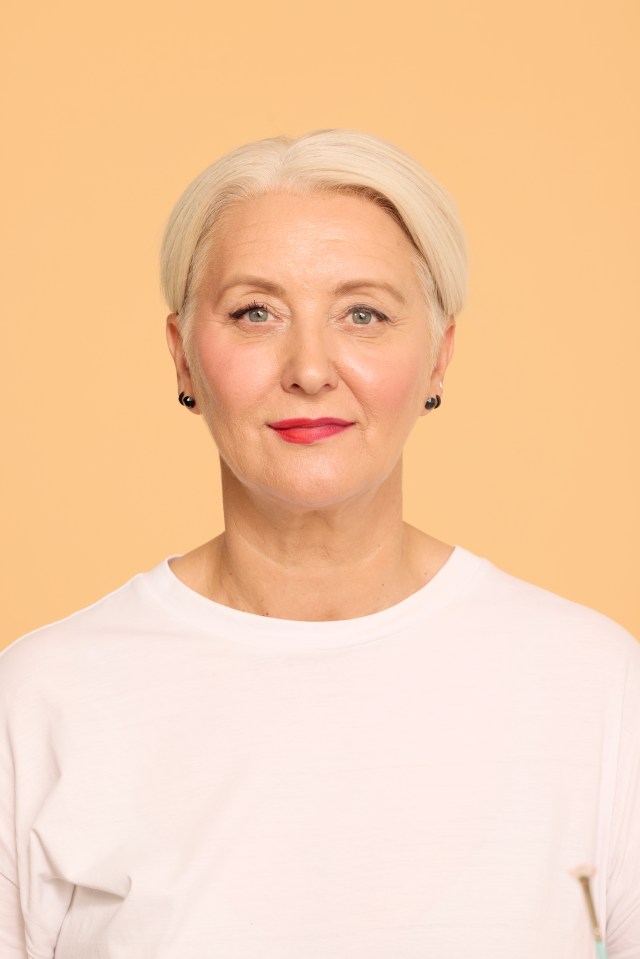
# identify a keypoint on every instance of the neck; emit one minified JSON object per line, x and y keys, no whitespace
{"x":333,"y":563}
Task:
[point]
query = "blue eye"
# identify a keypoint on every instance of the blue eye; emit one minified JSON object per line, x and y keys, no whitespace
{"x":257,"y":314}
{"x":366,"y":317}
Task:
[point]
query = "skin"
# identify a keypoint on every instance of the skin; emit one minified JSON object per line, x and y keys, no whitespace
{"x":312,"y":532}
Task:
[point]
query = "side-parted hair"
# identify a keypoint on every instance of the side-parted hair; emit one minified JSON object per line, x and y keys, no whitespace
{"x":334,"y":161}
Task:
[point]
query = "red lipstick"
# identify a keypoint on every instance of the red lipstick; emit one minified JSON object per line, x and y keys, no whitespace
{"x":308,"y":431}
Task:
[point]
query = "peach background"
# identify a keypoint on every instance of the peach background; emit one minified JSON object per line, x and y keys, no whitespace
{"x":526,"y":111}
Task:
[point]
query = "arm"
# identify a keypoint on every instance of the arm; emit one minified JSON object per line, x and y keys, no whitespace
{"x":12,"y":931}
{"x":12,"y":935}
{"x":623,"y":883}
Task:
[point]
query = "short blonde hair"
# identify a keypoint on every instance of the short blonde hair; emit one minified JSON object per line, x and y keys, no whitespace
{"x":321,"y":161}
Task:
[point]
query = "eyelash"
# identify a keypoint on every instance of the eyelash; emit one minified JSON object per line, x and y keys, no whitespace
{"x":361,"y":308}
{"x":358,"y":308}
{"x":238,"y":314}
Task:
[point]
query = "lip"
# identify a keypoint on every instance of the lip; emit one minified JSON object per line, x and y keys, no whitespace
{"x":309,"y":424}
{"x":306,"y":431}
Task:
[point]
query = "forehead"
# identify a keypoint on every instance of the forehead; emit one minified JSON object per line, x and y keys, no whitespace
{"x":310,"y":235}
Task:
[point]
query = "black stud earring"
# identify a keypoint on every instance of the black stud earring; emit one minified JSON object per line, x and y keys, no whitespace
{"x":433,"y":402}
{"x":187,"y":401}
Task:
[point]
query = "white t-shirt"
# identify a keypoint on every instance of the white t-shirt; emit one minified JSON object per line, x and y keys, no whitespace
{"x":181,"y":780}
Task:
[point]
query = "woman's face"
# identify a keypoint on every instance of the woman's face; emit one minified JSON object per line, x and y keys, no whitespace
{"x":309,"y":309}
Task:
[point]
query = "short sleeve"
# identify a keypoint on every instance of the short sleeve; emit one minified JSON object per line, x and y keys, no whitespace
{"x":12,"y":931}
{"x":623,"y":884}
{"x":12,"y":934}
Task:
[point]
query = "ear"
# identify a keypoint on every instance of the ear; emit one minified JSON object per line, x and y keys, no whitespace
{"x":176,"y":348}
{"x":444,"y":357}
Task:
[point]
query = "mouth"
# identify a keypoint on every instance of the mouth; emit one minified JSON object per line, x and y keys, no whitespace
{"x":309,"y":431}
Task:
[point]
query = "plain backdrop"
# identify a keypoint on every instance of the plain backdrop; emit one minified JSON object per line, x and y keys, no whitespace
{"x":527,"y":112}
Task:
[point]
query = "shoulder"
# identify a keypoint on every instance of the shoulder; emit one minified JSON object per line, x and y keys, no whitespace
{"x":53,"y":652}
{"x":537,"y":616}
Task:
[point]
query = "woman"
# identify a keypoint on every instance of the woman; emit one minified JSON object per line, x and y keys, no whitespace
{"x":324,"y":733}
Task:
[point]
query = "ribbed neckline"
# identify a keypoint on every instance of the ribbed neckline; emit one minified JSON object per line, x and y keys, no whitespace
{"x":203,"y":615}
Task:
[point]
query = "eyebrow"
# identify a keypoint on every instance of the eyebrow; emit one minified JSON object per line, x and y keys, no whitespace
{"x":349,"y":287}
{"x":354,"y":285}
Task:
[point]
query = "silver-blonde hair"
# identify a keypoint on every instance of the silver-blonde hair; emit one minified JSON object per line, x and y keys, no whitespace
{"x":341,"y":161}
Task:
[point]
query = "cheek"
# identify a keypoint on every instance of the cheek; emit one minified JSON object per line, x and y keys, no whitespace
{"x":393,"y":383}
{"x":232,"y":377}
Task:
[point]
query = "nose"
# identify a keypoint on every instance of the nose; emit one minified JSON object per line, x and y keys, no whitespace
{"x":307,"y":363}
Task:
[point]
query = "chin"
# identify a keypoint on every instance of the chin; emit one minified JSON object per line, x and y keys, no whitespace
{"x":312,"y":489}
{"x":315,"y":494}
{"x":306,"y":499}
